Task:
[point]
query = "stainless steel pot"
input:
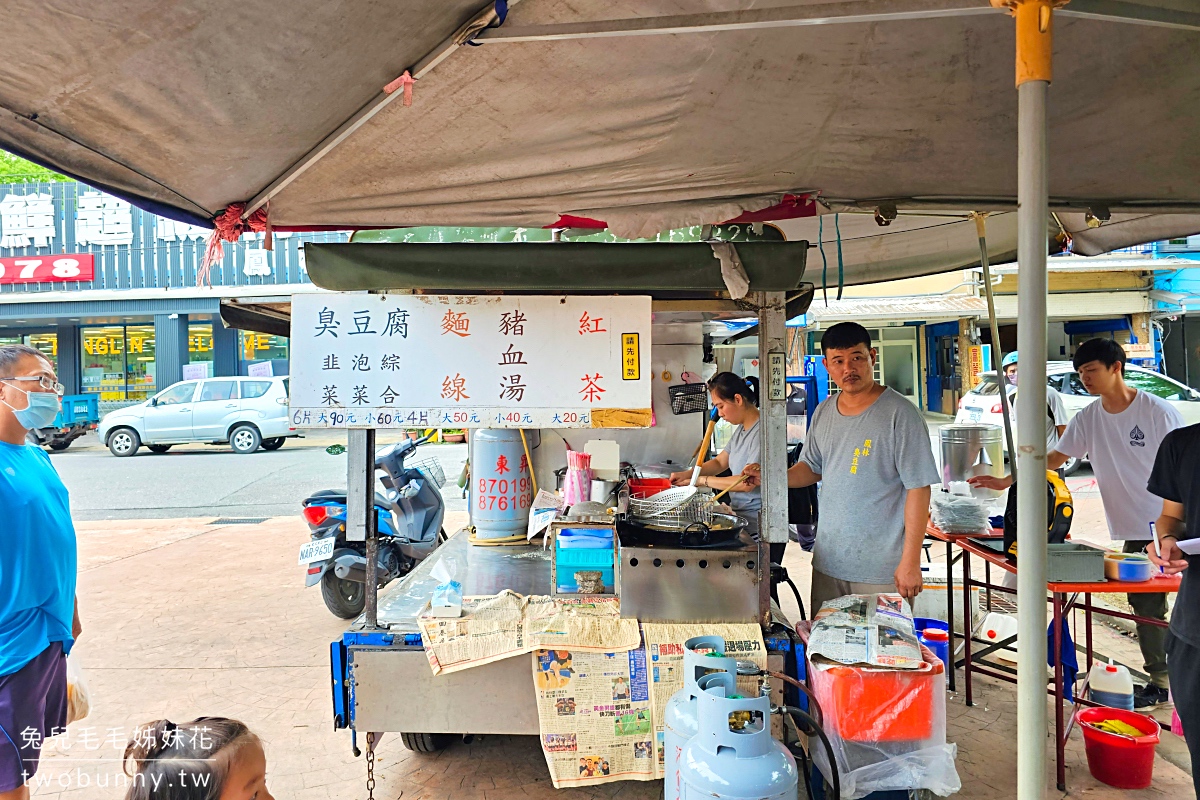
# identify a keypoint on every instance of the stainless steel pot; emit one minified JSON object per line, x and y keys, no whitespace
{"x":970,"y":450}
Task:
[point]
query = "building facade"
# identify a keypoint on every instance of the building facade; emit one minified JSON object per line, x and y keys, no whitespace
{"x":111,"y":294}
{"x":1177,"y":308}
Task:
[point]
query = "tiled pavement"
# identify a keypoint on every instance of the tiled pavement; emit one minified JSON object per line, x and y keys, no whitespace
{"x":183,"y":618}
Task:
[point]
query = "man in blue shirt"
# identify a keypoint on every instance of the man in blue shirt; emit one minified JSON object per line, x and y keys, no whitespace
{"x":39,"y":618}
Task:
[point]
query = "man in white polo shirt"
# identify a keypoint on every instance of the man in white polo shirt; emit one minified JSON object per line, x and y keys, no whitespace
{"x":1120,"y":434}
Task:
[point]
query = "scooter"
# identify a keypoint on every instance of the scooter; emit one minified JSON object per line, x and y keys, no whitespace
{"x":408,"y":519}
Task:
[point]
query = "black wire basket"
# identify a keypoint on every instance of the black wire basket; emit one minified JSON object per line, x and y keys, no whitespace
{"x":688,"y":398}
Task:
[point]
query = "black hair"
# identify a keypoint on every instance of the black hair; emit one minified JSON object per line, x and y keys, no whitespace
{"x":10,"y":354}
{"x":1106,"y":351}
{"x":728,"y":385}
{"x":183,"y":762}
{"x":844,"y":336}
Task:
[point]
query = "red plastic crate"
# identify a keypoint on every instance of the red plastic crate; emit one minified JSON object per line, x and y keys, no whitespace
{"x":648,"y":487}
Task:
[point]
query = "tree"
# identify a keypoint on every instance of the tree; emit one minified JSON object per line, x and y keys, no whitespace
{"x":14,"y":169}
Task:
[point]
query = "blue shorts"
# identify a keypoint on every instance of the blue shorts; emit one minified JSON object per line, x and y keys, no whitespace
{"x":33,"y":706}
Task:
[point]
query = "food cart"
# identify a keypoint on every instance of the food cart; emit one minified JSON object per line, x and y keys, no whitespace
{"x":642,"y":317}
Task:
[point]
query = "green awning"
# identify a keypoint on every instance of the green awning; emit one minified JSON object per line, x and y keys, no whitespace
{"x":656,"y":268}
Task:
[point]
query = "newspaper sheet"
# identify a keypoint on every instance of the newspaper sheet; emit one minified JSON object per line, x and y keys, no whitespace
{"x":870,"y":629}
{"x":594,"y":711}
{"x":664,"y":649}
{"x":508,"y":624}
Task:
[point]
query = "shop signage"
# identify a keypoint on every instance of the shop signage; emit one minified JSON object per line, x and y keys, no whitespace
{"x":974,"y":365}
{"x":1139,"y":350}
{"x":776,"y":376}
{"x":195,"y":372}
{"x":416,"y":361}
{"x":47,"y":269}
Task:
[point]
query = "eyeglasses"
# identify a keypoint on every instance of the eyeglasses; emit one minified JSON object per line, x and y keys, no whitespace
{"x":46,"y":382}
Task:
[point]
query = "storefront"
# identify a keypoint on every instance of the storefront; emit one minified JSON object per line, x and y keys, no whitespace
{"x":111,"y":293}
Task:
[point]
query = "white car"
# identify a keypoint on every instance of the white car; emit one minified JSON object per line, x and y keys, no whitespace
{"x":982,"y":404}
{"x":246,"y":413}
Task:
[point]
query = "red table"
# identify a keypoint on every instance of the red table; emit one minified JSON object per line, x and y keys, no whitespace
{"x":1064,"y":598}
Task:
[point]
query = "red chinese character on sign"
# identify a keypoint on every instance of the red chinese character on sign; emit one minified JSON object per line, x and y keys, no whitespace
{"x":524,"y":466}
{"x":502,"y":465}
{"x":589,"y":325}
{"x":458,"y":324}
{"x":455,"y":388}
{"x":592,"y":391}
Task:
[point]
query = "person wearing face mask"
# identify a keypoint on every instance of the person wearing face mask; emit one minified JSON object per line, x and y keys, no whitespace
{"x":1056,"y":410}
{"x":39,"y":616}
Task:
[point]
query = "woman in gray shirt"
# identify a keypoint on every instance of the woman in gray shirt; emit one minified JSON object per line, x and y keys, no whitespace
{"x":736,"y":400}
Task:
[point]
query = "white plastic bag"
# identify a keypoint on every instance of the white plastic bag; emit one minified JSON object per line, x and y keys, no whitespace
{"x":447,"y":595}
{"x":79,"y":701}
{"x":954,"y":513}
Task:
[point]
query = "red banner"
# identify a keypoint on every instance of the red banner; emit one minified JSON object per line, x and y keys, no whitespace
{"x":47,"y":269}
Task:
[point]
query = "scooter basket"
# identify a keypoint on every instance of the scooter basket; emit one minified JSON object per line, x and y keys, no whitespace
{"x":431,"y":468}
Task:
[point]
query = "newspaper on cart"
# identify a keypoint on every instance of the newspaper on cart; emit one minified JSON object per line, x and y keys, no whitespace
{"x":874,"y":630}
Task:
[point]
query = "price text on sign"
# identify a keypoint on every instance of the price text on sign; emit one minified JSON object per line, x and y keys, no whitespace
{"x":416,"y":361}
{"x":47,"y":269}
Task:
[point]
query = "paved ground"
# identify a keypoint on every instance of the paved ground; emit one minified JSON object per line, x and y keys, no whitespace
{"x":181,"y":618}
{"x":200,"y":480}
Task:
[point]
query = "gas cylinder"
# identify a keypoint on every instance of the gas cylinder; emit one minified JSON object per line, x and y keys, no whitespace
{"x":500,"y":483}
{"x":702,"y":656}
{"x":733,"y":755}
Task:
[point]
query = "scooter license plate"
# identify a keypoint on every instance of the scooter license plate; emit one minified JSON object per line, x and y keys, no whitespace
{"x":317,"y":550}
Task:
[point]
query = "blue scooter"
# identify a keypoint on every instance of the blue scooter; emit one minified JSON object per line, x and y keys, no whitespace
{"x":408,"y":519}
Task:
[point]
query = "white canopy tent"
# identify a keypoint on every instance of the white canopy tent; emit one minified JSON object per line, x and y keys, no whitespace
{"x":645,"y":116}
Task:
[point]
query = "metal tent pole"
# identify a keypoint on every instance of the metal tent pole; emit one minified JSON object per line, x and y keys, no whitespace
{"x":772,"y":427}
{"x":360,"y":510}
{"x":1033,"y":73}
{"x":994,"y":328}
{"x":1031,"y":439}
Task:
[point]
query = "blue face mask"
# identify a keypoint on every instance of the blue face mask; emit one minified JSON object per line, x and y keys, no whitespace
{"x":40,"y":413}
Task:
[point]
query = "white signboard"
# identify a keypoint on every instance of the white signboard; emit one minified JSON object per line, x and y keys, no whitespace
{"x":413,"y":361}
{"x":195,"y":372}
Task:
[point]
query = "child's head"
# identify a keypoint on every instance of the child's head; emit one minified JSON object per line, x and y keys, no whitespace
{"x":209,"y":758}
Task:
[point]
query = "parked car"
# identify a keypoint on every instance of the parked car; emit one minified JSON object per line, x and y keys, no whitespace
{"x":982,"y":404}
{"x":246,"y":413}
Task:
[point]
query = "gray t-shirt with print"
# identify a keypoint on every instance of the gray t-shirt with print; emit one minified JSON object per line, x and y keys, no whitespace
{"x":744,"y":448}
{"x":867,"y":464}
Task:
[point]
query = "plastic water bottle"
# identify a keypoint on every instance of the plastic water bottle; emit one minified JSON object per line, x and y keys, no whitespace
{"x":1111,"y":685}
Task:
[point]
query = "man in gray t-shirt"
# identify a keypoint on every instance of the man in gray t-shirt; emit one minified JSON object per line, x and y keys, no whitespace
{"x":869,"y":447}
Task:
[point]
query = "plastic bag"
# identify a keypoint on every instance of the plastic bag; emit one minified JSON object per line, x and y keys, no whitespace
{"x":447,"y":595}
{"x":953,"y":513}
{"x":887,"y":728}
{"x":79,"y":702}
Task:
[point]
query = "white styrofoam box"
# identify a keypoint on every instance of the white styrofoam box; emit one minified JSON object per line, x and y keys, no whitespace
{"x":931,"y":602}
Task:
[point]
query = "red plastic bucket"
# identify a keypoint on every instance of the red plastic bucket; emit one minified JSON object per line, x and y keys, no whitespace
{"x":1122,"y":761}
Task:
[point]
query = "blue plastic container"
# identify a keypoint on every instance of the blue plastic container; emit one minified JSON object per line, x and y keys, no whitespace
{"x":584,"y":538}
{"x":587,"y":559}
{"x":940,"y":648}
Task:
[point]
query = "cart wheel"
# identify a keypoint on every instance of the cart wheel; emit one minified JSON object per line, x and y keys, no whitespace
{"x":426,"y":742}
